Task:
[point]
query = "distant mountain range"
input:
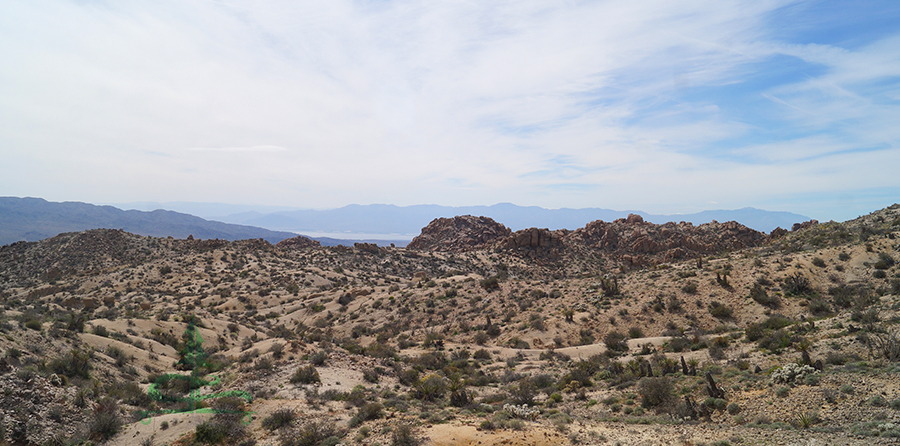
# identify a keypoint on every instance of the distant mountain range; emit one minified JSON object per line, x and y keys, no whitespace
{"x":34,"y":219}
{"x":409,"y":220}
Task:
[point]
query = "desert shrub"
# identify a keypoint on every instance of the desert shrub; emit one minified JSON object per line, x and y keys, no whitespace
{"x":209,"y":433}
{"x":782,"y":392}
{"x":733,"y":408}
{"x":33,"y":324}
{"x":106,"y":421}
{"x":635,"y":332}
{"x":517,"y":343}
{"x":615,"y":341}
{"x":278,"y":419}
{"x":819,"y":307}
{"x":305,"y":375}
{"x":719,"y":310}
{"x":405,"y":435}
{"x":759,"y":294}
{"x":318,"y":358}
{"x":879,"y":274}
{"x":100,"y":330}
{"x":431,"y":387}
{"x":679,"y":344}
{"x":843,"y":295}
{"x":689,"y":287}
{"x":797,"y":285}
{"x":816,"y":261}
{"x":716,"y":353}
{"x":777,"y":340}
{"x":523,"y":392}
{"x":77,"y":363}
{"x":655,"y":391}
{"x":886,"y":345}
{"x":491,"y":284}
{"x":366,"y":412}
{"x":311,"y":433}
{"x":885,"y":261}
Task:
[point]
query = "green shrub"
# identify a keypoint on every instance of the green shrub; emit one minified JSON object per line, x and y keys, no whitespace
{"x":305,"y":375}
{"x":209,"y":433}
{"x":655,"y":391}
{"x":689,"y":288}
{"x":523,"y":392}
{"x":75,"y":364}
{"x":719,"y":311}
{"x":782,"y":392}
{"x":759,"y":294}
{"x":33,"y":324}
{"x":818,"y":262}
{"x":491,"y":284}
{"x":615,"y":341}
{"x":734,"y":408}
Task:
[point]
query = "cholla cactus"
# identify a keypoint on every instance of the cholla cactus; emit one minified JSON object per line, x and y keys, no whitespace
{"x":523,"y":411}
{"x":792,"y":372}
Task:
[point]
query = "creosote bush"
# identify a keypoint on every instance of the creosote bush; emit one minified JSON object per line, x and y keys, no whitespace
{"x":279,"y":419}
{"x":305,"y":375}
{"x":655,"y":392}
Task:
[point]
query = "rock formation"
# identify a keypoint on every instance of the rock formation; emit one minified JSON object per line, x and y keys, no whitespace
{"x":460,"y":233}
{"x":298,"y":242}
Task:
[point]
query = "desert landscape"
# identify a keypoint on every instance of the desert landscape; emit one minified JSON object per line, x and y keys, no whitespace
{"x":622,"y":332}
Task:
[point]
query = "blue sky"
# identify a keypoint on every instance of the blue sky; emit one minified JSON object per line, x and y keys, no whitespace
{"x":667,"y":107}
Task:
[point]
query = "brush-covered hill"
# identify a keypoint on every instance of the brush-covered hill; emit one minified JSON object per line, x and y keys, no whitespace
{"x":746,"y":339}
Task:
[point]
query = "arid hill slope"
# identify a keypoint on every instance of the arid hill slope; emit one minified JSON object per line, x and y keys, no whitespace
{"x":582,"y":331}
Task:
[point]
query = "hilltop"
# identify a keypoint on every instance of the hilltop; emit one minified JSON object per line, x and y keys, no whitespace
{"x":617,"y":332}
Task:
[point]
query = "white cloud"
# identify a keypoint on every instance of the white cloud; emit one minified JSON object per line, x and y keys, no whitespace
{"x":321,"y":104}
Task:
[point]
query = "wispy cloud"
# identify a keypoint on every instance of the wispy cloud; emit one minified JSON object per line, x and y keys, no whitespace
{"x":659,"y":105}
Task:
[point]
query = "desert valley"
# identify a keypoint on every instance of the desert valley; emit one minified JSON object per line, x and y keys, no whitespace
{"x":622,"y":332}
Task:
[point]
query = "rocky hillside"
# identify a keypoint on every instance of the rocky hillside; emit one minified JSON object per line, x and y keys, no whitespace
{"x":612,"y":333}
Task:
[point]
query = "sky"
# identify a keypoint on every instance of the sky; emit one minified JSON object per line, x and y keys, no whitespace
{"x":660,"y":106}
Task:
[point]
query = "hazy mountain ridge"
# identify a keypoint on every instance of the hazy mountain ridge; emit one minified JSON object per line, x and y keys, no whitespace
{"x":32,"y":219}
{"x":390,"y":219}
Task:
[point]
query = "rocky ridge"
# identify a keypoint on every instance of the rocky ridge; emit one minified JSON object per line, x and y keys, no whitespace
{"x":629,"y":242}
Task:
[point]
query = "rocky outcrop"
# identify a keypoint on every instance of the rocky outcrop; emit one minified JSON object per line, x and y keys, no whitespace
{"x":461,"y":233}
{"x":535,"y":243}
{"x":630,"y":241}
{"x":298,"y":242}
{"x":633,"y":242}
{"x":804,"y":225}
